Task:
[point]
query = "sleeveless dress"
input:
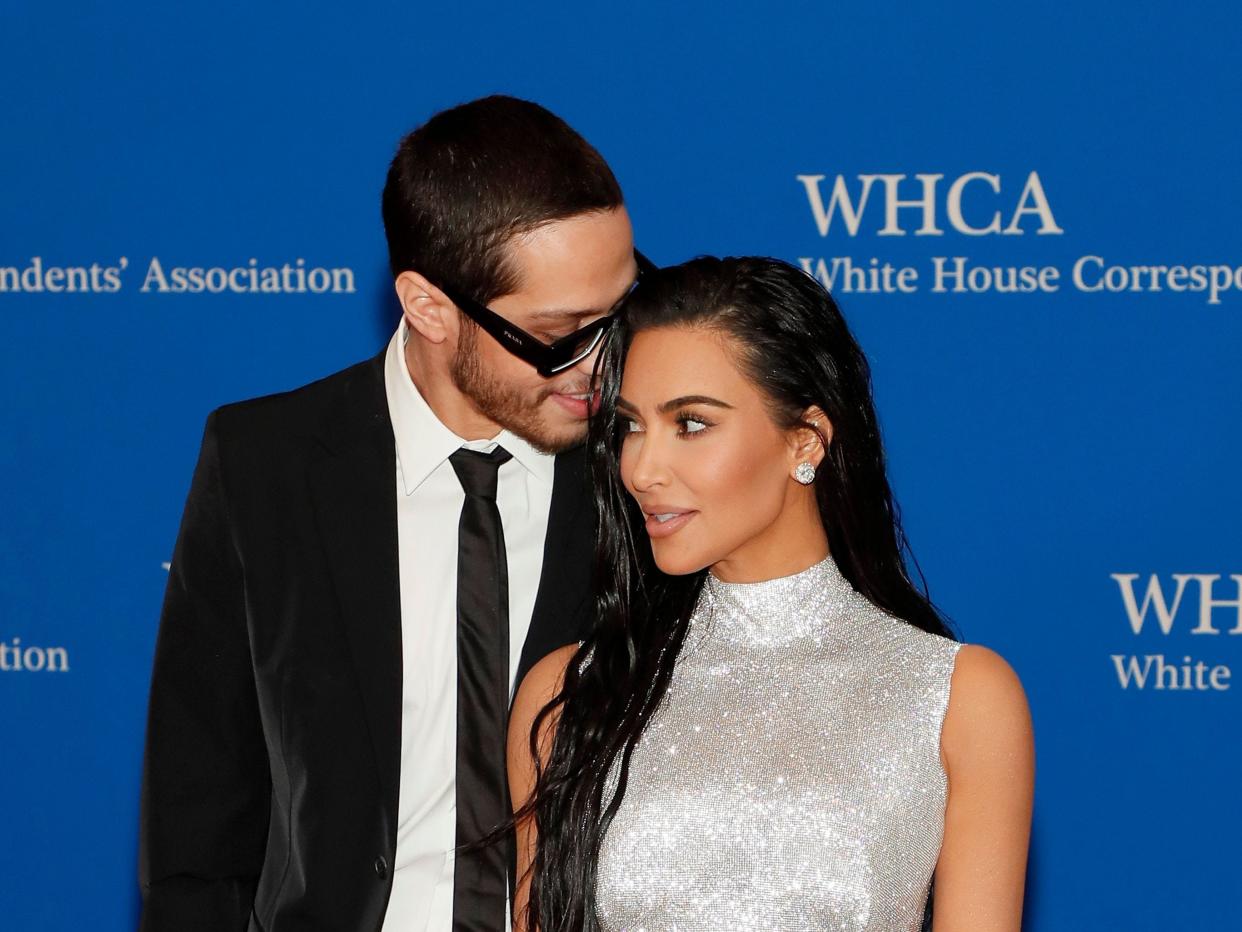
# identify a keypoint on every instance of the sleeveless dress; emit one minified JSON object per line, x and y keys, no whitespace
{"x":791,"y":777}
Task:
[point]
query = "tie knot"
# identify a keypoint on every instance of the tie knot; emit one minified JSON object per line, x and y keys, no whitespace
{"x":476,"y":471}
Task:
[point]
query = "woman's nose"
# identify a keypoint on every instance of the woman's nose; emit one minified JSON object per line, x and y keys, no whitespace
{"x":650,"y":466}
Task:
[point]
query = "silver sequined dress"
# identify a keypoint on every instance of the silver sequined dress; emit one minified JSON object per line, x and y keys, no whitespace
{"x":791,"y":777}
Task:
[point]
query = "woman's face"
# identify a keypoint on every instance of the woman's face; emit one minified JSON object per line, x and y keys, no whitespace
{"x":706,"y":463}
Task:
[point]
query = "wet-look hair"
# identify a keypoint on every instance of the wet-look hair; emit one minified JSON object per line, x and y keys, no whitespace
{"x":789,"y":338}
{"x":472,"y":177}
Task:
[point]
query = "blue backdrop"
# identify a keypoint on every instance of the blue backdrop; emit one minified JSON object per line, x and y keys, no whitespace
{"x":1066,"y":455}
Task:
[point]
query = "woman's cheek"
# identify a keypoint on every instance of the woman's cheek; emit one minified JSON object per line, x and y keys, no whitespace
{"x":722,"y":466}
{"x":626,"y":464}
{"x":748,"y":481}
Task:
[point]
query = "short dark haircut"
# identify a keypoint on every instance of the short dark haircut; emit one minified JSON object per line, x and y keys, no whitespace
{"x":472,"y":177}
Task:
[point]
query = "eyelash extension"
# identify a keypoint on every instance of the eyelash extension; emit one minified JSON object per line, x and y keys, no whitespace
{"x":684,"y":416}
{"x":623,"y":425}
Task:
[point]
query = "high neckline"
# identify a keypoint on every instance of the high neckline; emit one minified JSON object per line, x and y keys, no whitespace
{"x":809,"y":603}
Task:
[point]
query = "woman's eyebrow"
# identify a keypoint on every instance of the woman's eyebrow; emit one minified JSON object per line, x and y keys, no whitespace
{"x":674,"y":403}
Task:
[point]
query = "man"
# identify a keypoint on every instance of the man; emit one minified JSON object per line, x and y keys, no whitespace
{"x":367,"y":565}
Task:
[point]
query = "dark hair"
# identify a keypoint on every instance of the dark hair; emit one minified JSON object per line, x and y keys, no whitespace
{"x":470,"y":178}
{"x":793,"y":343}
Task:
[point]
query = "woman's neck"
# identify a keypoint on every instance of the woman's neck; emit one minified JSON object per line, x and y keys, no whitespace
{"x":794,"y":541}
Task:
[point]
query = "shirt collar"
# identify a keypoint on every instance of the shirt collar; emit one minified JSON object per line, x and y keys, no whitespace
{"x":423,"y":442}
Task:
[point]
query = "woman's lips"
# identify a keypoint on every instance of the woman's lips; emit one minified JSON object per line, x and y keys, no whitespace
{"x":658,"y":528}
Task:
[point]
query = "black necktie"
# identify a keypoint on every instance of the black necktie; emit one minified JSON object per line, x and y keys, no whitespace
{"x":479,"y":876}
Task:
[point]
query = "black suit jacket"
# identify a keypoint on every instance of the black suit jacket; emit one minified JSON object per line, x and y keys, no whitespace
{"x":270,"y":777}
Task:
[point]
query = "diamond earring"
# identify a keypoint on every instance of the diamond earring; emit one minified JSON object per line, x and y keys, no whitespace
{"x":805,"y":473}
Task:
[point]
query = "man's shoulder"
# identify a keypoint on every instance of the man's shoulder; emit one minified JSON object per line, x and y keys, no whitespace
{"x":309,"y":412}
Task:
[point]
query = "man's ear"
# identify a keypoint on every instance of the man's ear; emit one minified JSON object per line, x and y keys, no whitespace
{"x":425,"y":307}
{"x":809,"y":444}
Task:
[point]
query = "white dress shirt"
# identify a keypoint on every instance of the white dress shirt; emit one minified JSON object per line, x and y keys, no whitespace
{"x":429,"y":503}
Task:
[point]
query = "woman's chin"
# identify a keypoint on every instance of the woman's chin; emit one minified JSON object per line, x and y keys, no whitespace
{"x":672,"y":563}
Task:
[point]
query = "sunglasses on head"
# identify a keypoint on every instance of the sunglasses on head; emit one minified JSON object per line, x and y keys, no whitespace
{"x":547,"y":358}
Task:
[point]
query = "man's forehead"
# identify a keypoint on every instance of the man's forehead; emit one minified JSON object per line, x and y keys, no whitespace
{"x":574,"y":294}
{"x":580,"y":252}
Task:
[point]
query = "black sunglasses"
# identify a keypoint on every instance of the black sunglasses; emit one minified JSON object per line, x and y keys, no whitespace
{"x":547,"y":358}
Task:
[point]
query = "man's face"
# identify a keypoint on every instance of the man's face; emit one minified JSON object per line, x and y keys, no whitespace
{"x":570,"y":272}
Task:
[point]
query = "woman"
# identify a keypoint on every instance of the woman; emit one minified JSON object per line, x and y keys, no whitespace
{"x":771,"y":728}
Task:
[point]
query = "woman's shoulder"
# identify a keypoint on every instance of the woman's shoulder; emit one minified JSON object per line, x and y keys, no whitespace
{"x":543,"y":681}
{"x":987,"y":713}
{"x":899,"y":646}
{"x":539,"y":686}
{"x":982,"y":677}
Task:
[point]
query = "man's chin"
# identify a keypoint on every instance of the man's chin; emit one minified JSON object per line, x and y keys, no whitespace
{"x":547,"y":428}
{"x":551,"y":438}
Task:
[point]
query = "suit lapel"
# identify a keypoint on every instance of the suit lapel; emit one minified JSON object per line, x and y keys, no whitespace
{"x":354,"y":496}
{"x":353,"y":491}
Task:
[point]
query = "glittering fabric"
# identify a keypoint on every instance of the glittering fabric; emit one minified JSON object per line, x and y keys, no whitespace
{"x":791,"y":778}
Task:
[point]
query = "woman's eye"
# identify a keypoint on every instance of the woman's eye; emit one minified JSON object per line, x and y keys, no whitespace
{"x":630,"y":427}
{"x":692,"y":425}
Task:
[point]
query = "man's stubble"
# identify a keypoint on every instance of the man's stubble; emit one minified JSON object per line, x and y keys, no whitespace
{"x":505,"y":405}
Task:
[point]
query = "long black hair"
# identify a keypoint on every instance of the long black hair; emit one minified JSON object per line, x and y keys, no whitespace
{"x":792,"y":342}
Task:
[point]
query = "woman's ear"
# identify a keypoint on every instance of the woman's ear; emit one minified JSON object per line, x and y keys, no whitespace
{"x":809,"y":441}
{"x":425,"y":307}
